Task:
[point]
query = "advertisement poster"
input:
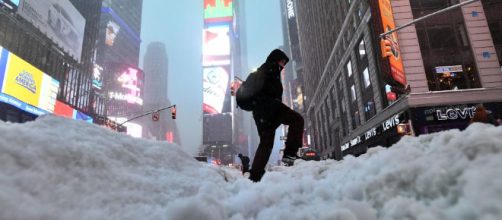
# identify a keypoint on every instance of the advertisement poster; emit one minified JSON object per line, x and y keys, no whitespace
{"x":215,"y":85}
{"x":216,"y":46}
{"x":59,"y":20}
{"x":126,"y":85}
{"x":396,"y":62}
{"x":23,"y":81}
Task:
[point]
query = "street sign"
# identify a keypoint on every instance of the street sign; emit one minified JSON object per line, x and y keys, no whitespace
{"x":155,"y":116}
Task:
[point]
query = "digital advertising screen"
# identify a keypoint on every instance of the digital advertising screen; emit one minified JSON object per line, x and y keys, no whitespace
{"x":23,"y":81}
{"x":218,"y":11}
{"x":97,"y":77}
{"x":216,"y":81}
{"x":216,"y":46}
{"x":125,"y":84}
{"x":59,"y":20}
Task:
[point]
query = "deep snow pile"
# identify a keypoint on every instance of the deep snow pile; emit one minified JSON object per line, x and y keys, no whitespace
{"x":56,"y":168}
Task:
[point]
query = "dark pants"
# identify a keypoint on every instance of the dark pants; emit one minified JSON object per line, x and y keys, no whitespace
{"x":268,"y":117}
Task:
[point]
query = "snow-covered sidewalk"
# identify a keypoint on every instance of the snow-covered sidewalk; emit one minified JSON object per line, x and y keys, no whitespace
{"x":55,"y":168}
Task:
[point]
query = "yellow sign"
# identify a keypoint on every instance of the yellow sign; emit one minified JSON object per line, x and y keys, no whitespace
{"x":22,"y":80}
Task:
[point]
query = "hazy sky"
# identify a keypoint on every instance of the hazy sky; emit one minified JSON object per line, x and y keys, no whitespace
{"x":178,"y":24}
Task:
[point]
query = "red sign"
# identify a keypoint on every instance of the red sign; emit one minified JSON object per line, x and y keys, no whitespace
{"x":396,"y":61}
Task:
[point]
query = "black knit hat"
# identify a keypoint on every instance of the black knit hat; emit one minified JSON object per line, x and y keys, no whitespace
{"x":277,"y":55}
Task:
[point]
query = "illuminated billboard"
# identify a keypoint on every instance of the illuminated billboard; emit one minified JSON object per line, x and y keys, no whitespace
{"x":218,"y":11}
{"x":112,"y":30}
{"x":21,"y":80}
{"x":395,"y":59}
{"x":97,"y":77}
{"x":216,"y":46}
{"x":215,"y":86}
{"x":59,"y":20}
{"x":126,"y":85}
{"x":124,"y":89}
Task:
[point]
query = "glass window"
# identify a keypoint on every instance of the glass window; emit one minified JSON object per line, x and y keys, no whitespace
{"x":446,"y":52}
{"x":366,"y":77}
{"x":349,"y":69}
{"x":353,"y":93}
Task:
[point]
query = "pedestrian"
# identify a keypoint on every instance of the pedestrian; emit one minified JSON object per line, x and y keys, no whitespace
{"x":483,"y":116}
{"x":245,"y":163}
{"x":269,"y":113}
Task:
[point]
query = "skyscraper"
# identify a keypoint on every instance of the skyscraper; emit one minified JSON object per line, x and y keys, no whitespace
{"x":120,"y":95}
{"x":366,"y":90}
{"x":156,"y":95}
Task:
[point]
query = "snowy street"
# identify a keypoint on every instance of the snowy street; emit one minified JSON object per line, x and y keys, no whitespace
{"x":55,"y":168}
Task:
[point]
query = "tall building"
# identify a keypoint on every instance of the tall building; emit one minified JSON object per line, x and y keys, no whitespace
{"x":156,"y":95}
{"x":292,"y":75}
{"x":223,"y":133}
{"x":365,"y":91}
{"x":53,"y":44}
{"x":118,"y":82}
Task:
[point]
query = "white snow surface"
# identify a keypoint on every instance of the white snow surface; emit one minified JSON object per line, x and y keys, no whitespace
{"x":56,"y":168}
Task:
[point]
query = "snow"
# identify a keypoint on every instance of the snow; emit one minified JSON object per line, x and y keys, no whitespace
{"x":56,"y":168}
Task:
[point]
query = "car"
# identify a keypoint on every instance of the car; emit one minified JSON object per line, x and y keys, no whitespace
{"x":310,"y":154}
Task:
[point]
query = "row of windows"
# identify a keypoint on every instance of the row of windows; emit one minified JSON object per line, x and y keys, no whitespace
{"x":325,"y":134}
{"x":443,"y":41}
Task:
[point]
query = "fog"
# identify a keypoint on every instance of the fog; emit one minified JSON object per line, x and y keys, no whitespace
{"x":178,"y":25}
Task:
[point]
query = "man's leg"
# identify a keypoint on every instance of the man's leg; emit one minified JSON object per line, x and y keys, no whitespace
{"x":262,"y":154}
{"x":295,"y":122}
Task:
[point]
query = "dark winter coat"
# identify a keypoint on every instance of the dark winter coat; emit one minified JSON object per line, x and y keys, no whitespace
{"x":269,"y":100}
{"x":272,"y":87}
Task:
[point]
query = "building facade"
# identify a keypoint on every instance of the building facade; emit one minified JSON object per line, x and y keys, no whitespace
{"x":65,"y":57}
{"x":156,"y":95}
{"x":118,"y":82}
{"x":365,"y":91}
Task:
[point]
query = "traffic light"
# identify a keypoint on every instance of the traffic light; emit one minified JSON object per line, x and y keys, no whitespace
{"x":386,"y":48}
{"x":173,"y":112}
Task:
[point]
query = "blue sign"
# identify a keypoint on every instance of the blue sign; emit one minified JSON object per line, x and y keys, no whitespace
{"x":21,"y":105}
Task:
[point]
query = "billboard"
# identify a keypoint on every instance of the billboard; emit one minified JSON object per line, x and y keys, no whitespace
{"x":216,"y":45}
{"x":125,"y":84}
{"x":67,"y":111}
{"x":21,"y":80}
{"x":395,"y":60}
{"x":59,"y":20}
{"x":216,"y":81}
{"x":97,"y":77}
{"x":218,"y":11}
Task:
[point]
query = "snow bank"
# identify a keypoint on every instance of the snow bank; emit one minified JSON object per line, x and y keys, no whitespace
{"x":56,"y":168}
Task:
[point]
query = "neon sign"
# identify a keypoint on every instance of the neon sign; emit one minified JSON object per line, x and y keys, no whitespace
{"x":129,"y":81}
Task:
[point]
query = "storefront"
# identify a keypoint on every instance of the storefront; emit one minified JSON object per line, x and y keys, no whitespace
{"x":385,"y":134}
{"x":417,"y":121}
{"x":428,"y":120}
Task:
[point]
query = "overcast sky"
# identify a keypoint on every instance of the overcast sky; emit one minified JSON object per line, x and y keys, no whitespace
{"x":178,"y":24}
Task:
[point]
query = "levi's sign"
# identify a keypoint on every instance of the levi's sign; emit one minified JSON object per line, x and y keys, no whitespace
{"x":372,"y":132}
{"x":455,"y":113}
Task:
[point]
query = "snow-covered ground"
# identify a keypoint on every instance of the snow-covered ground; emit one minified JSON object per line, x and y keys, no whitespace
{"x":55,"y":168}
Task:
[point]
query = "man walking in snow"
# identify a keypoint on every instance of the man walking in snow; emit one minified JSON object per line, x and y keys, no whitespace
{"x":269,"y":113}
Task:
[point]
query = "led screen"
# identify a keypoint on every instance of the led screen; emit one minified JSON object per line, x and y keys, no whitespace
{"x":215,"y":85}
{"x":26,"y":83}
{"x":216,"y":45}
{"x":218,"y":11}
